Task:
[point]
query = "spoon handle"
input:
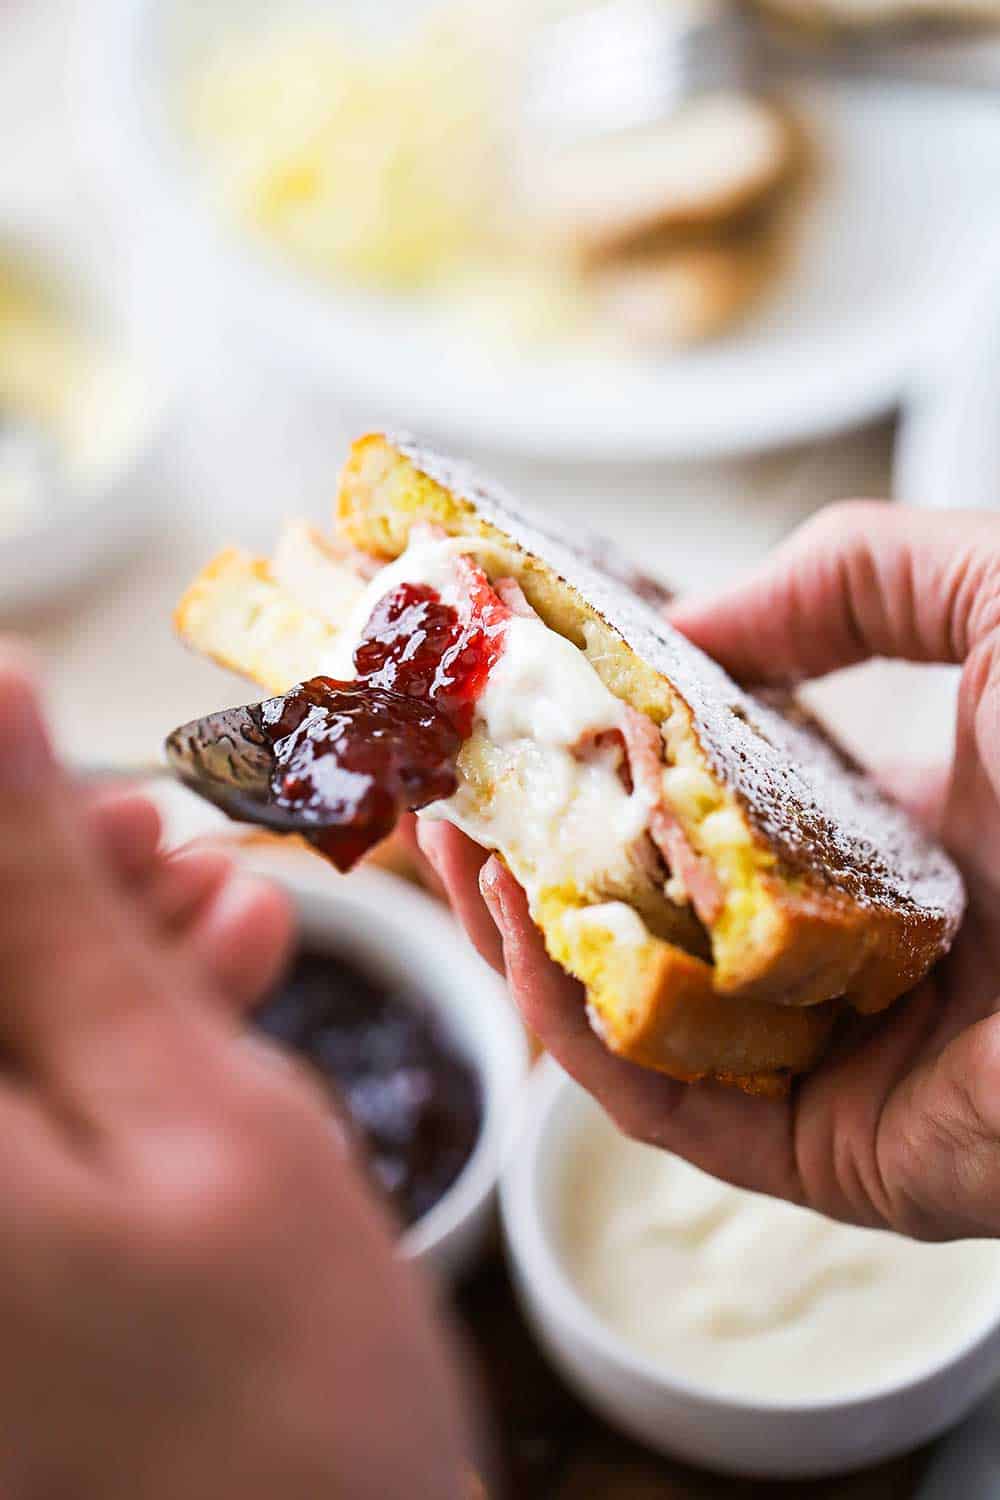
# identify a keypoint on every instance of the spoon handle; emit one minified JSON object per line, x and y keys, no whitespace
{"x":953,"y":65}
{"x":135,"y":770}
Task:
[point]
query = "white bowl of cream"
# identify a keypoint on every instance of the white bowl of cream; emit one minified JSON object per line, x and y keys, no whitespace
{"x":729,"y":1329}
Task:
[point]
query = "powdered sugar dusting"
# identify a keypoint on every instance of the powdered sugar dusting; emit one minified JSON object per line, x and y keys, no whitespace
{"x":817,"y":813}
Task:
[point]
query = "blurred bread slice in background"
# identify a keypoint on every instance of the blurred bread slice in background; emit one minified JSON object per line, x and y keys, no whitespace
{"x":675,"y":231}
{"x":685,"y":294}
{"x":717,"y":160}
{"x":874,"y":13}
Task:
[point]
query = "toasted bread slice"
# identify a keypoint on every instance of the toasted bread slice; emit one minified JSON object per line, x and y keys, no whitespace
{"x":237,"y":613}
{"x":826,"y":889}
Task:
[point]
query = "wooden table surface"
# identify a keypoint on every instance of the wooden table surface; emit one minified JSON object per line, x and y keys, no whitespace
{"x":550,"y":1447}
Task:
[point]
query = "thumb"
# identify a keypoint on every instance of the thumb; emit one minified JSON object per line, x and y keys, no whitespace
{"x":921,"y":789}
{"x":60,"y":927}
{"x":939,"y":1136}
{"x":860,"y":579}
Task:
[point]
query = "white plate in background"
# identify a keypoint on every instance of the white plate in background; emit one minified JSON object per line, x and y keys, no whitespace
{"x":905,"y":204}
{"x":96,"y":507}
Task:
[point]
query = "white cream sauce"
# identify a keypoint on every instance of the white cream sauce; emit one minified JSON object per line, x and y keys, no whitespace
{"x":752,"y":1297}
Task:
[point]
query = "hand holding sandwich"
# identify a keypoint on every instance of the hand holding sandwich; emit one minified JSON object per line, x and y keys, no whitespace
{"x":900,"y":1123}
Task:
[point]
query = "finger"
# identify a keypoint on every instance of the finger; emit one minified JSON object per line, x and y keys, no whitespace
{"x":840,"y":1105}
{"x":745,"y":1140}
{"x":859,"y":580}
{"x":237,"y":928}
{"x":127,"y":828}
{"x":408,"y":830}
{"x":972,"y":820}
{"x":85,"y":996}
{"x":179,"y":889}
{"x":551,"y":1003}
{"x":938,"y":1138}
{"x":184,"y":885}
{"x":922,"y":790}
{"x":243,"y":937}
{"x":457,"y":862}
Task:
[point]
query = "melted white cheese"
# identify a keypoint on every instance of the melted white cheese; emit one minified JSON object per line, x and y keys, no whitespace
{"x":623,"y":922}
{"x":749,"y":1296}
{"x":559,"y":819}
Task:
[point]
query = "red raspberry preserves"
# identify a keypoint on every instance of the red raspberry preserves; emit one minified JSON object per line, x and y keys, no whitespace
{"x":354,"y":755}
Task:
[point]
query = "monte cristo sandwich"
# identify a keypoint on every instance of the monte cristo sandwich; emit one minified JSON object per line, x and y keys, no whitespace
{"x":719,"y":878}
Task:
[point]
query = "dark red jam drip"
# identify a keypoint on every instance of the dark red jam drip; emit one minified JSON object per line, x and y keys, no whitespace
{"x":355,"y":755}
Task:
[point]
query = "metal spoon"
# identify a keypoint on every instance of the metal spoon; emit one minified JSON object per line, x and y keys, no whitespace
{"x":227,"y":758}
{"x":622,"y":64}
{"x":618,"y":65}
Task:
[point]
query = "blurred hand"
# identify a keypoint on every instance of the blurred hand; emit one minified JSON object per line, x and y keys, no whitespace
{"x":900,"y":1125}
{"x":199,"y":1298}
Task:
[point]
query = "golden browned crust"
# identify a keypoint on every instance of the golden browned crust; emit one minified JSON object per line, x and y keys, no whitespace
{"x":236,"y":613}
{"x":657,"y":1006}
{"x":820,"y":944}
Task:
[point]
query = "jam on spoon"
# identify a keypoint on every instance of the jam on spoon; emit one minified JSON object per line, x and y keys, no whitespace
{"x":354,"y":755}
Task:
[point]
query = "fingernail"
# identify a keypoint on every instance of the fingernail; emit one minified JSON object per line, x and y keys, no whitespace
{"x":236,"y":895}
{"x":680,"y":613}
{"x":427,"y":845}
{"x":25,"y":750}
{"x":489,"y":886}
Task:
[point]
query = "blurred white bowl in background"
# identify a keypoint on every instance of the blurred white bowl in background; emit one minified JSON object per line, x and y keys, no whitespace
{"x":901,"y":204}
{"x":661,"y":1407}
{"x":91,"y":506}
{"x":947,"y":453}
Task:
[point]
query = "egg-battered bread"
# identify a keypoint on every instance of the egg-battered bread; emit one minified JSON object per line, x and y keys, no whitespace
{"x":713,"y":871}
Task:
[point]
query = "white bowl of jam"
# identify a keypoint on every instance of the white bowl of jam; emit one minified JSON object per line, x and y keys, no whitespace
{"x":729,"y":1329}
{"x":416,"y":1036}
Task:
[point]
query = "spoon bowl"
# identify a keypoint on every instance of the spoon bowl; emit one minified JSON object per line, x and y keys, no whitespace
{"x":335,"y":762}
{"x":228,"y":758}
